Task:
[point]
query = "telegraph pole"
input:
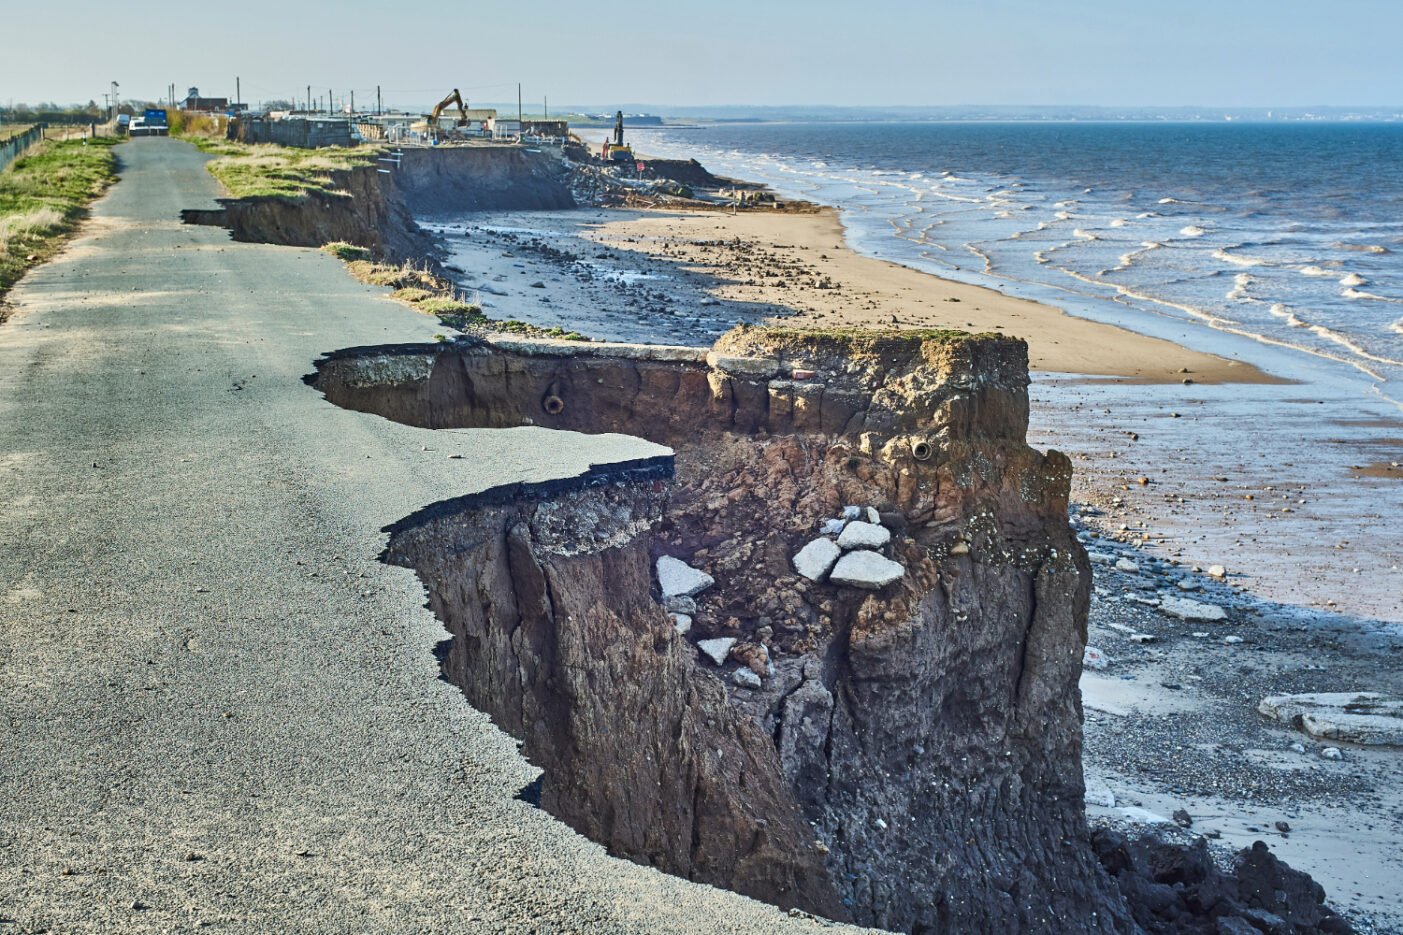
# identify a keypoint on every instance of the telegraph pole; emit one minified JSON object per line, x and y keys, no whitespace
{"x":329,"y":105}
{"x":353,"y":102}
{"x":238,"y":94}
{"x":518,"y":105}
{"x":378,"y":110}
{"x":309,"y":98}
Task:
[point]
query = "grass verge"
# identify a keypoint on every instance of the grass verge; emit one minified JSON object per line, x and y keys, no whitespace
{"x":433,"y":295}
{"x":43,"y":196}
{"x":266,"y":170}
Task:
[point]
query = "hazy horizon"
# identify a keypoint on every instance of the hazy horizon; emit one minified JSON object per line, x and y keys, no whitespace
{"x":1252,"y":54}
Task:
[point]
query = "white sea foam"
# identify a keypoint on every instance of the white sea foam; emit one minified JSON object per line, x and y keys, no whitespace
{"x":1354,"y":279}
{"x":1084,"y":235}
{"x":1063,"y":216}
{"x":1317,"y":271}
{"x":1192,"y":231}
{"x":1238,"y":259}
{"x":1360,"y":247}
{"x":1241,"y":282}
{"x":1119,"y":222}
{"x":1357,"y":294}
{"x":1170,"y":201}
{"x":1147,"y":214}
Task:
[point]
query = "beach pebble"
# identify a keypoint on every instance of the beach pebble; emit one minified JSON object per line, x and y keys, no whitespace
{"x":681,"y":622}
{"x":1126,"y":565}
{"x":717,"y":649}
{"x":1332,"y":753}
{"x":852,"y":512}
{"x":815,"y":560}
{"x":1187,"y":584}
{"x":676,"y":577}
{"x":1182,"y":818}
{"x":961,"y":547}
{"x":1232,"y":640}
{"x":881,"y":824}
{"x":1217,"y":571}
{"x":860,"y":535}
{"x":873,"y":516}
{"x":680,"y":604}
{"x":1093,"y":658}
{"x":832,"y":527}
{"x":1101,"y":558}
{"x":1298,"y":748}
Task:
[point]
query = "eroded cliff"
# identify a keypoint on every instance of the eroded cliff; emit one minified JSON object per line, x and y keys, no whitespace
{"x":904,"y":754}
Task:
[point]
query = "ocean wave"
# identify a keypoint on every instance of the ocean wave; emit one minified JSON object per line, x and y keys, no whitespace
{"x":1372,"y":297}
{"x":1063,"y":216}
{"x":1318,"y":271}
{"x":1084,"y":235}
{"x":1147,"y":214}
{"x":1192,"y":231}
{"x":1335,"y":337}
{"x":1238,"y":259}
{"x":1241,"y":283}
{"x":1119,"y":222}
{"x":1171,"y":201}
{"x":1360,"y":247}
{"x":1354,"y":279}
{"x":1065,"y":204}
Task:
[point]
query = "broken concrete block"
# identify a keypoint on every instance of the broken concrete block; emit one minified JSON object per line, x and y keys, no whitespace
{"x":1185,"y":609}
{"x":864,"y":569}
{"x":860,"y":535}
{"x":815,"y":560}
{"x":676,"y":577}
{"x":743,"y":366}
{"x":718,"y":649}
{"x":1354,"y":717}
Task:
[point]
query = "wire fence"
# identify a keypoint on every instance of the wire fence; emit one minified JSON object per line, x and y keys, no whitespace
{"x":16,"y":146}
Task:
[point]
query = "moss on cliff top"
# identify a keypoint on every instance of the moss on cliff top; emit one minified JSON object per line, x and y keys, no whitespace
{"x":802,"y":333}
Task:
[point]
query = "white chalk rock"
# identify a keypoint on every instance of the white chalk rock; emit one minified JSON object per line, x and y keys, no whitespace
{"x":718,"y":649}
{"x":852,"y":512}
{"x":1186,"y":584}
{"x":1185,"y":609}
{"x":681,"y":623}
{"x":1093,"y":658}
{"x":1354,"y":717}
{"x":1232,"y":640}
{"x":832,"y":527}
{"x":873,"y":516}
{"x":1125,"y":564}
{"x":1101,"y":558}
{"x":1217,"y":571}
{"x":745,"y":678}
{"x":865,"y":570}
{"x":676,"y":577}
{"x":860,"y":535}
{"x":815,"y":560}
{"x":1332,"y":753}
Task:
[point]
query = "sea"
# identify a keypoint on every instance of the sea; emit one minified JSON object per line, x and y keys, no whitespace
{"x":1289,"y":233}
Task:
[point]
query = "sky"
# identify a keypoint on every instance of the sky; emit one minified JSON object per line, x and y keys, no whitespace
{"x":1226,"y":53}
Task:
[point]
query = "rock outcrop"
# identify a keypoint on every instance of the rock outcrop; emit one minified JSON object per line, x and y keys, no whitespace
{"x":905,"y":754}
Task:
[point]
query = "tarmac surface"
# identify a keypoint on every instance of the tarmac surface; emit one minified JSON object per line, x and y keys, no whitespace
{"x":218,"y":710}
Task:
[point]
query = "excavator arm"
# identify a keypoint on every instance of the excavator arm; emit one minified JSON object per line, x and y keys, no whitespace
{"x":454,"y":98}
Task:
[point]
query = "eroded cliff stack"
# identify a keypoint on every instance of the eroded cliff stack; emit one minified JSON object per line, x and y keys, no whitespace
{"x":904,"y":754}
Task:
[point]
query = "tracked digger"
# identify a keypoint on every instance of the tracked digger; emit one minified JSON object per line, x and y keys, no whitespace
{"x":431,"y":124}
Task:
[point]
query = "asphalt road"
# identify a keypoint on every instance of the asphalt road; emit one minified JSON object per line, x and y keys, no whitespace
{"x":218,"y":711}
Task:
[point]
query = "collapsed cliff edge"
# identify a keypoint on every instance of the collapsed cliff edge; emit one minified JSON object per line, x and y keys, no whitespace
{"x":826,"y":655}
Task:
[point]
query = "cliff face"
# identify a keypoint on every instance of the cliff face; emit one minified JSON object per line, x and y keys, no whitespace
{"x":376,"y":209}
{"x":905,"y":754}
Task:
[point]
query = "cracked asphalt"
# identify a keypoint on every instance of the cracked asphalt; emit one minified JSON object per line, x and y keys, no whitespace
{"x":218,"y":710}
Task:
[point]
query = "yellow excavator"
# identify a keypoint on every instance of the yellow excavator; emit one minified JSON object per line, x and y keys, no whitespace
{"x":617,"y":151}
{"x":431,"y":124}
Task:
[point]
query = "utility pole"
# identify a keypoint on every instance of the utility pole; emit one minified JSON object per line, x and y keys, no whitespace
{"x":329,"y":105}
{"x":518,"y":105}
{"x":353,"y":102}
{"x":238,"y":94}
{"x":309,"y":98}
{"x":377,"y":100}
{"x":545,"y":108}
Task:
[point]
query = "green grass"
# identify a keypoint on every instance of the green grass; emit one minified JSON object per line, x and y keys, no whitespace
{"x":265,"y":170}
{"x":346,"y":251}
{"x":43,"y":196}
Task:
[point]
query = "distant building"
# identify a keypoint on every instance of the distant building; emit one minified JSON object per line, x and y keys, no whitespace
{"x":213,"y":105}
{"x":551,"y":129}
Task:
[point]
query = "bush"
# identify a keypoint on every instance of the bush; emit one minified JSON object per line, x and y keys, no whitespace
{"x":346,"y":251}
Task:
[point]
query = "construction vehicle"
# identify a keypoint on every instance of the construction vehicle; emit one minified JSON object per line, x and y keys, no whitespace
{"x":431,"y":124}
{"x":617,"y":151}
